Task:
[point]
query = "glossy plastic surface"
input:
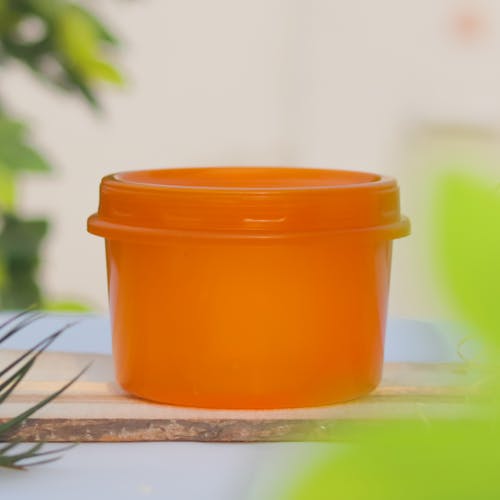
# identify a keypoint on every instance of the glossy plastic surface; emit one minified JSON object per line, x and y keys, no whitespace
{"x":230,"y":314}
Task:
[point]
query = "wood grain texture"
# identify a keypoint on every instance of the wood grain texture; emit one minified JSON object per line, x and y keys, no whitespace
{"x":96,"y":409}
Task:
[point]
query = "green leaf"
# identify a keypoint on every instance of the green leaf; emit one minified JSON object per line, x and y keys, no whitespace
{"x":18,"y":156}
{"x":8,"y":16}
{"x":19,"y":320}
{"x":12,"y":130}
{"x":104,"y":71}
{"x":20,"y":242}
{"x":21,"y":238}
{"x":15,"y":152}
{"x":3,"y":274}
{"x":7,"y":387}
{"x":467,"y":235}
{"x":77,"y":37}
{"x":76,"y":80}
{"x":19,"y":419}
{"x":71,"y":55}
{"x":103,"y":31}
{"x":48,"y":9}
{"x":37,"y":348}
{"x":65,"y":306}
{"x":450,"y":459}
{"x":15,"y":372}
{"x":7,"y":191}
{"x":24,"y":459}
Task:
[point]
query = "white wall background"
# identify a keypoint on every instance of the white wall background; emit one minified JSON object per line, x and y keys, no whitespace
{"x":331,"y":83}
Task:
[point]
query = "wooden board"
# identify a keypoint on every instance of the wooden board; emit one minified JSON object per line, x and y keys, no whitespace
{"x":96,"y":409}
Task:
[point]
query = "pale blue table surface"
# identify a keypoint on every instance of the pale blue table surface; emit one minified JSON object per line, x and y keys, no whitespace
{"x":184,"y":471}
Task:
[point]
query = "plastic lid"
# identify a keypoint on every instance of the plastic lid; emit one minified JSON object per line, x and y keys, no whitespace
{"x":246,"y":201}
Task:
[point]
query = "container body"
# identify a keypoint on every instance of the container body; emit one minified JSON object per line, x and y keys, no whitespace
{"x":256,"y":312}
{"x":250,"y":323}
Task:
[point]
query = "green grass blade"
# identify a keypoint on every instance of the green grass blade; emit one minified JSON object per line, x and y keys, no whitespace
{"x":26,"y":321}
{"x":16,"y":421}
{"x":13,"y":381}
{"x":15,"y":317}
{"x":40,"y":347}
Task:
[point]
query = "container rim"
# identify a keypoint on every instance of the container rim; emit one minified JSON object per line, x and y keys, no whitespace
{"x":244,"y":200}
{"x":314,"y":179}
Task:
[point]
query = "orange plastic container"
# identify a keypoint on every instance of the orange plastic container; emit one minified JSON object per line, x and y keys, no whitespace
{"x":248,"y":287}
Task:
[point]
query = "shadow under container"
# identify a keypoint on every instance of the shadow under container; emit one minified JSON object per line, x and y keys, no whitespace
{"x":248,"y":287}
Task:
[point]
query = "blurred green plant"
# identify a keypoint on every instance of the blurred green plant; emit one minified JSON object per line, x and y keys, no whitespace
{"x":66,"y":46}
{"x":428,"y":458}
{"x":467,"y":238}
{"x":14,"y":454}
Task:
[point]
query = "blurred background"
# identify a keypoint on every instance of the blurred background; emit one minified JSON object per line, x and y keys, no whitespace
{"x":395,"y":86}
